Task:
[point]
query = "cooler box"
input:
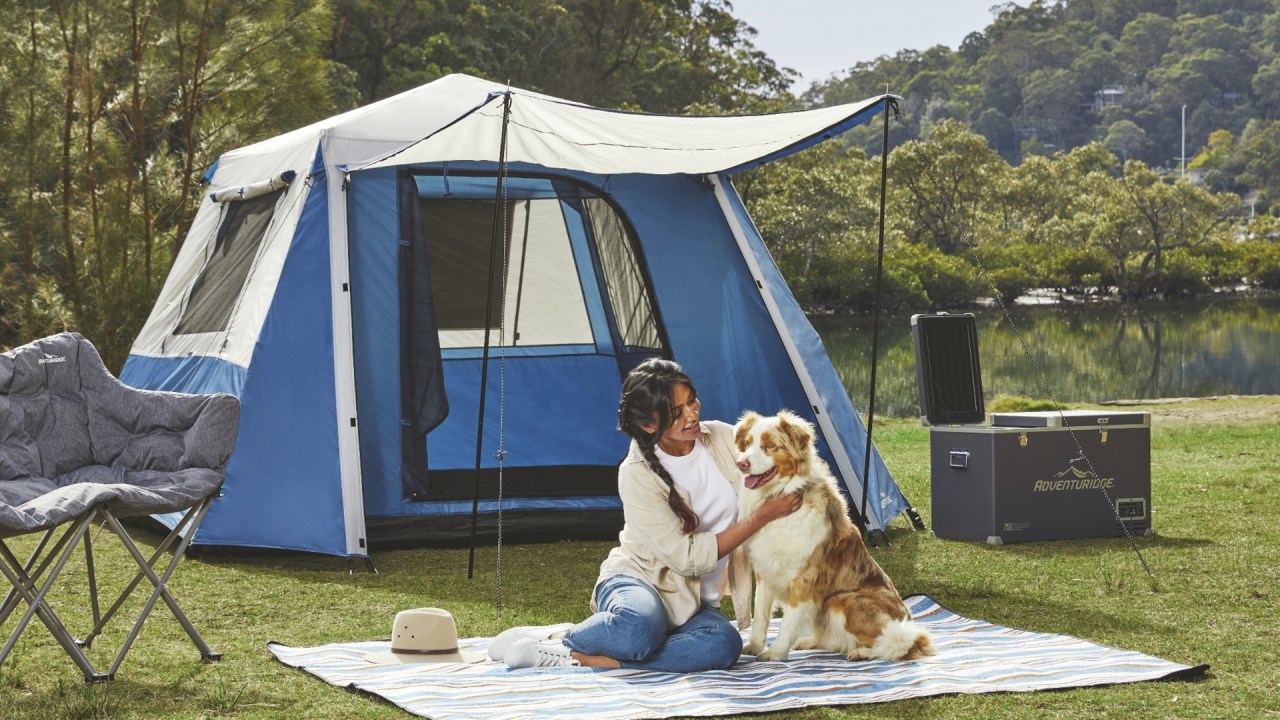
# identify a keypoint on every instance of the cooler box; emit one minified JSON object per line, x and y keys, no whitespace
{"x":1025,"y":478}
{"x":1053,"y":475}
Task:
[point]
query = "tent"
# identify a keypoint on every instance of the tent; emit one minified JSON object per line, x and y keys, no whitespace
{"x":426,"y":307}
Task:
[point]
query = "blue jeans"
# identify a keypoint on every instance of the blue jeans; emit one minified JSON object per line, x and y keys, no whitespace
{"x":630,"y":626}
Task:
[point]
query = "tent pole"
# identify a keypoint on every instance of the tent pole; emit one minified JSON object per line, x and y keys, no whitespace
{"x":495,"y":244}
{"x":875,"y":321}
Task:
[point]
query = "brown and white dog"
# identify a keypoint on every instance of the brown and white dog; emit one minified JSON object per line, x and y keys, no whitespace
{"x":813,"y":562}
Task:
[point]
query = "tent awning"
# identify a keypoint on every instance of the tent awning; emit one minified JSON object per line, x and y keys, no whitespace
{"x":555,"y":133}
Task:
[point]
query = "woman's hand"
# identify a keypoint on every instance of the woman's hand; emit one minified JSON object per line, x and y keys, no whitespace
{"x":775,"y":507}
{"x":778,"y":506}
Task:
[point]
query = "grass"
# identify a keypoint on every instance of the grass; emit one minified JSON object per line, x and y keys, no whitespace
{"x":1215,"y":554}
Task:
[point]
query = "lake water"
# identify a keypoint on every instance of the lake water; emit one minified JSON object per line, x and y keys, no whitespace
{"x":1084,"y":352}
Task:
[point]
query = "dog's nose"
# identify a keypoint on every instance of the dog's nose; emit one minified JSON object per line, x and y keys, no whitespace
{"x":744,"y":465}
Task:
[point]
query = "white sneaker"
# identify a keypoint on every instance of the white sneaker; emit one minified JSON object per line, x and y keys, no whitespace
{"x":499,"y":645}
{"x":540,"y":653}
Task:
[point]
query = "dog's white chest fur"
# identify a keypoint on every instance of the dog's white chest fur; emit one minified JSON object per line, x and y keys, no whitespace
{"x":783,"y":548}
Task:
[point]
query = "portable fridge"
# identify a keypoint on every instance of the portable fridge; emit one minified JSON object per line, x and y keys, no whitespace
{"x":1054,"y":475}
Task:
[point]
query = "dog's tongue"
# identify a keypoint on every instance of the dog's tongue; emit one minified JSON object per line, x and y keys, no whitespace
{"x":754,"y":481}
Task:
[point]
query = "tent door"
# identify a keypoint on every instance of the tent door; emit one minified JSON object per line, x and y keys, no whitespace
{"x":572,"y":313}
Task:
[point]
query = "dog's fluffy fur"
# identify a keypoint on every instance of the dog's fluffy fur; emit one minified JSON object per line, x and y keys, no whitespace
{"x":813,"y":562}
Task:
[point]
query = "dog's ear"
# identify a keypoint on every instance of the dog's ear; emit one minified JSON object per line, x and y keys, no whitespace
{"x":797,"y":429}
{"x":743,"y":428}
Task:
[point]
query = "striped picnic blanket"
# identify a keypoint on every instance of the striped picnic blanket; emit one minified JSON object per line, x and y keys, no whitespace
{"x":973,"y":656}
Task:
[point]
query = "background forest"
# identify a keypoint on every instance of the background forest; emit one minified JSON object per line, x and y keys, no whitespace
{"x":1045,"y":151}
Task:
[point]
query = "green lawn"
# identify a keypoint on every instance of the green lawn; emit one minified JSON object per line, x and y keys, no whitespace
{"x":1215,"y":554}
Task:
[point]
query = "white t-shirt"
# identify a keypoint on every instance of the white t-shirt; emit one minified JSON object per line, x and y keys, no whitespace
{"x":712,"y":499}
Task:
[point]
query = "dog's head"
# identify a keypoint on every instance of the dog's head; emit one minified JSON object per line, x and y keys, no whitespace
{"x":772,"y":447}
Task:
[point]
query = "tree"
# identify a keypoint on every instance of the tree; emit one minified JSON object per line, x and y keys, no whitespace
{"x":1147,"y":218}
{"x":1051,"y":104}
{"x":104,"y":181}
{"x":814,"y":211}
{"x":1266,"y":88}
{"x":1143,"y":43}
{"x":1259,"y":155}
{"x":939,"y":185}
{"x":653,"y":55}
{"x":1216,"y":152}
{"x":1125,"y":138}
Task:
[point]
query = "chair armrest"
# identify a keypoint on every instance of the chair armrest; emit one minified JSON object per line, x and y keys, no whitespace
{"x":159,"y":430}
{"x":213,"y":434}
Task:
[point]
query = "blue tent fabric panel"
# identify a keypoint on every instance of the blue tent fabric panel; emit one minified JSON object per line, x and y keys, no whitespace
{"x":559,"y":411}
{"x":194,"y":374}
{"x":545,"y":422}
{"x":283,"y":487}
{"x":718,"y":328}
{"x":375,"y":326}
{"x":884,"y":500}
{"x":489,"y":506}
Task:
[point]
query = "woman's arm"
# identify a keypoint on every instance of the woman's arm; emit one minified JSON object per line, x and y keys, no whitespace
{"x":778,"y":506}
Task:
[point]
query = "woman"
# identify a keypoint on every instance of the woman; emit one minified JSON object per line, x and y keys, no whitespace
{"x":657,"y":598}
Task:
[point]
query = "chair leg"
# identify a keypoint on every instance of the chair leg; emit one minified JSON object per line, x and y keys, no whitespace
{"x":92,"y":577}
{"x":185,"y":528}
{"x":101,"y":621}
{"x":159,"y":582}
{"x":23,"y":583}
{"x":11,"y":599}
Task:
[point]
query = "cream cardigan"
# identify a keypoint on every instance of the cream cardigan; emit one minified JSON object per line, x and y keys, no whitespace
{"x":654,"y":548}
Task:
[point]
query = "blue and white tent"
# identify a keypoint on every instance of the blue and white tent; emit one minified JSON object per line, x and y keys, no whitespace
{"x":339,"y":280}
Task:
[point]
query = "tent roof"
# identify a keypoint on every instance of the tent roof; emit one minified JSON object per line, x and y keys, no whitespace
{"x":459,"y":117}
{"x":556,"y":133}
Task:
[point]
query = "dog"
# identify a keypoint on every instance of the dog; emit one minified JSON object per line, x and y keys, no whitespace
{"x":813,"y":562}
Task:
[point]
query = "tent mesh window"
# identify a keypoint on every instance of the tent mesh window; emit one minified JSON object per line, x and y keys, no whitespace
{"x":628,"y":291}
{"x":551,"y":290}
{"x":215,"y":293}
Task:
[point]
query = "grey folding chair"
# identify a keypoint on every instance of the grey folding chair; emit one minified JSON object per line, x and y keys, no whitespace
{"x":79,"y":447}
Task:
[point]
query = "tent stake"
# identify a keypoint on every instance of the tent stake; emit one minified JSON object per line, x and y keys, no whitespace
{"x":499,"y":216}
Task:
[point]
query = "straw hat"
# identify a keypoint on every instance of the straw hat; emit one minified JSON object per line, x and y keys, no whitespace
{"x":424,"y":635}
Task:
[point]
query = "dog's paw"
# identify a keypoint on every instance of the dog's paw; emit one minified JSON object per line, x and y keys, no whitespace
{"x":774,"y":653}
{"x":752,"y":646}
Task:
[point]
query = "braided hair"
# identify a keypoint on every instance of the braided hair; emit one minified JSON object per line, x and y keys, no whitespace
{"x":647,"y":394}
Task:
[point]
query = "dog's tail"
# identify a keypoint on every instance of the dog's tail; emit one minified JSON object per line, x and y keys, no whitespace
{"x":902,"y":640}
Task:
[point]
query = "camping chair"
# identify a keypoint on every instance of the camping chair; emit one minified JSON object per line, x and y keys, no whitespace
{"x":77,"y":446}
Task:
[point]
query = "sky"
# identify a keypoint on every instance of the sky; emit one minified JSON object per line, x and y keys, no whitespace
{"x":820,"y":37}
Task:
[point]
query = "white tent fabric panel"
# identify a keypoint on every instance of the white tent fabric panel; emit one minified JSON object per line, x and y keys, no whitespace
{"x":544,"y":301}
{"x":234,"y":344}
{"x":558,"y":134}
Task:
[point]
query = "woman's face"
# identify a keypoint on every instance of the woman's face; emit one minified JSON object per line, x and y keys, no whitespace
{"x":679,"y":437}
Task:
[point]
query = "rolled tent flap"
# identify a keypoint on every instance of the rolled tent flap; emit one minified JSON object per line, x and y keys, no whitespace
{"x":253,"y":190}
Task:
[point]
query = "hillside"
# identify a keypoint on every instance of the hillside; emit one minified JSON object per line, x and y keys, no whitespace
{"x":1058,"y":75}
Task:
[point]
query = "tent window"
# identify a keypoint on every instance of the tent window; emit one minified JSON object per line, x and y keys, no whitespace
{"x":544,"y":300}
{"x":214,"y":294}
{"x":628,"y":292}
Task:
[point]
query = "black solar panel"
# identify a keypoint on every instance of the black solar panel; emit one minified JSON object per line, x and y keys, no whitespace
{"x":948,"y":375}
